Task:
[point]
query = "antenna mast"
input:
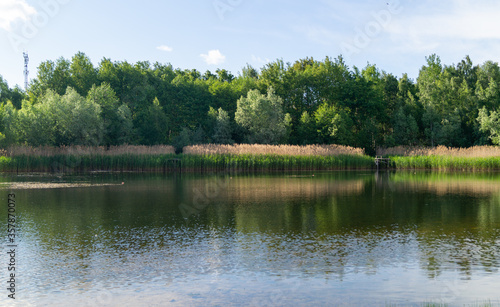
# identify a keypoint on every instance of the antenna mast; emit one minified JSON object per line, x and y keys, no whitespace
{"x":26,"y":71}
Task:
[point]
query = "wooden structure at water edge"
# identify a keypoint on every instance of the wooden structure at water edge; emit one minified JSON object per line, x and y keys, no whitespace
{"x":382,"y":162}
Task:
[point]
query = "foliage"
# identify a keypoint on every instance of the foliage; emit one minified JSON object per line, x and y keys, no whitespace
{"x":307,"y":102}
{"x":117,"y":119}
{"x":306,"y":130}
{"x":60,"y":120}
{"x":8,"y":121}
{"x":335,"y":126}
{"x":222,"y":131}
{"x":152,"y":124}
{"x":263,"y":117}
{"x":405,"y":128}
{"x":183,"y":139}
{"x":490,"y":124}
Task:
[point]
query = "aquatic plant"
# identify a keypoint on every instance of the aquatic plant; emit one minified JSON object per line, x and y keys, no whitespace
{"x":273,"y":162}
{"x":286,"y":150}
{"x":470,"y":152}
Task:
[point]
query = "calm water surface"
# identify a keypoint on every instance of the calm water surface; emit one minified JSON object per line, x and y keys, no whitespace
{"x":337,"y":238}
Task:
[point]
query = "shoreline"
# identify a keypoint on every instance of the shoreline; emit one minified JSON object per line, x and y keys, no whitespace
{"x":199,"y":163}
{"x":166,"y":163}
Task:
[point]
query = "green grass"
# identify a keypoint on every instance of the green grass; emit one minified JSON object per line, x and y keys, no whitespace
{"x":190,"y":163}
{"x":86,"y":163}
{"x":233,"y":162}
{"x":273,"y":162}
{"x":446,"y":163}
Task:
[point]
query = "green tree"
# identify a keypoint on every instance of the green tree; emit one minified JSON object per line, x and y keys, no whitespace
{"x":8,"y":122}
{"x":117,"y":119}
{"x":222,"y":130}
{"x":405,"y":131}
{"x":152,"y":124}
{"x":35,"y":122}
{"x":15,"y":95}
{"x":306,"y":130}
{"x":83,"y":73}
{"x":124,"y":128}
{"x":60,"y":120}
{"x":451,"y":133}
{"x":262,"y":116}
{"x":432,"y":125}
{"x":78,"y":120}
{"x":52,"y":76}
{"x":183,"y":139}
{"x":490,"y":124}
{"x":334,"y":125}
{"x":199,"y":136}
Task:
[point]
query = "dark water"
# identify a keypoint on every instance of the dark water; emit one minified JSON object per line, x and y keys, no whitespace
{"x":341,"y":238}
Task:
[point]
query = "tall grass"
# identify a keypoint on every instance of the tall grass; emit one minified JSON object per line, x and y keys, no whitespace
{"x":198,"y":158}
{"x":76,"y":150}
{"x":82,"y":159}
{"x":471,"y":152}
{"x":281,"y":150}
{"x":272,"y":162}
{"x":247,"y":157}
{"x":444,"y":158}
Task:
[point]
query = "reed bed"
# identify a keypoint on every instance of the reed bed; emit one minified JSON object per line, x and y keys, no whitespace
{"x":268,"y":162}
{"x":471,"y":152}
{"x":446,"y":163}
{"x":280,"y":150}
{"x":477,"y":158}
{"x":84,"y":159}
{"x":246,"y":157}
{"x":76,"y":150}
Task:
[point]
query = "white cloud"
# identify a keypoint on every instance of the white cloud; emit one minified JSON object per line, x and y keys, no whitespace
{"x":214,"y":57}
{"x":13,"y":10}
{"x":165,"y":48}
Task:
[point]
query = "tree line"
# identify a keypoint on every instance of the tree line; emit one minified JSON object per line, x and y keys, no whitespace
{"x":73,"y":102}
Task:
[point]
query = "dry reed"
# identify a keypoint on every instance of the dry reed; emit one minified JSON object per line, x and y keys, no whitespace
{"x":76,"y":150}
{"x":471,"y":152}
{"x":282,"y":150}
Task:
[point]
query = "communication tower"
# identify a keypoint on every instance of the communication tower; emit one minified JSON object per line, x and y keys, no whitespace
{"x":26,"y":71}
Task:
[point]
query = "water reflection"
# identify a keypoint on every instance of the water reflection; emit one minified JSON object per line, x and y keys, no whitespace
{"x":330,"y":231}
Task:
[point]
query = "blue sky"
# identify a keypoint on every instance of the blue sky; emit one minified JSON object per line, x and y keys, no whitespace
{"x":396,"y":35}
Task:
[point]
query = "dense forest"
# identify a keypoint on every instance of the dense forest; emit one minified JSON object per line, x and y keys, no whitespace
{"x":73,"y":102}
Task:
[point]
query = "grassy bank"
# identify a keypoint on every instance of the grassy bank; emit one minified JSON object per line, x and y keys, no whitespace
{"x":446,"y":163}
{"x":84,"y":159}
{"x":269,"y":162}
{"x":70,"y":163}
{"x":200,"y":158}
{"x":189,"y":163}
{"x":244,"y":158}
{"x":478,"y":158}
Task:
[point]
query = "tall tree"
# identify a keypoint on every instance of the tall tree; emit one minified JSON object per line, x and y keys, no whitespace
{"x":490,"y":124}
{"x":263,"y":117}
{"x":116,"y":118}
{"x":152,"y":125}
{"x":222,"y":128}
{"x":8,"y":122}
{"x":334,"y":125}
{"x":83,"y":73}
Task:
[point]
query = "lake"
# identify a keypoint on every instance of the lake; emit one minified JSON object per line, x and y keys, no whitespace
{"x":332,"y":238}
